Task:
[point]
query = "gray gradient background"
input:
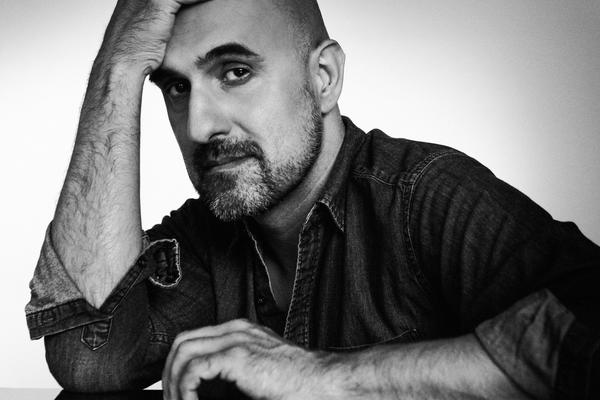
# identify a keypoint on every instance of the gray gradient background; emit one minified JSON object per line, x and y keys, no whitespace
{"x":514,"y":83}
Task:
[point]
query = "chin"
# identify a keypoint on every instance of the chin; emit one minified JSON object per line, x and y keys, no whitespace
{"x":233,"y":205}
{"x":232,"y":197}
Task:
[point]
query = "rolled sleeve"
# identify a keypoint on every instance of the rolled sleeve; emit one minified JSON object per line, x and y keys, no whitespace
{"x":579,"y":366}
{"x":524,"y":282}
{"x":525,"y":341}
{"x":57,"y":305}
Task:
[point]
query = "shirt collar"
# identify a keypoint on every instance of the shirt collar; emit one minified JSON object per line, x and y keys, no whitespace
{"x":334,"y":195}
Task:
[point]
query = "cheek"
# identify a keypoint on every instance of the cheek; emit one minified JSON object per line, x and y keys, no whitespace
{"x":186,"y":146}
{"x":275,"y":118}
{"x":178,"y":121}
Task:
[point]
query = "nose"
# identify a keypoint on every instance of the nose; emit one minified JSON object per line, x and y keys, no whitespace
{"x":206,"y":117}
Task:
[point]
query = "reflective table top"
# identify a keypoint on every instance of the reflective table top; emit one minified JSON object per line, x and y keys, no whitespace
{"x":58,"y":394}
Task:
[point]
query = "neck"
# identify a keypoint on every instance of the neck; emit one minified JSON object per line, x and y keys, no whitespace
{"x":281,"y":226}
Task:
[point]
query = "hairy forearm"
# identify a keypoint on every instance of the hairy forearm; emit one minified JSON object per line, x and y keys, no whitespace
{"x":444,"y":369}
{"x":96,"y":229}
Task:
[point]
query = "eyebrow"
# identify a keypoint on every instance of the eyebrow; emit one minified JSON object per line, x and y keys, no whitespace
{"x":225,"y":50}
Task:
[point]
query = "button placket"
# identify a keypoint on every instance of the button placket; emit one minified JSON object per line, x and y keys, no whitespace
{"x":262,"y":292}
{"x":260,"y":299}
{"x":297,"y":321}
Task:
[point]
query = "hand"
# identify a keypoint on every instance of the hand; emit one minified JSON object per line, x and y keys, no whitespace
{"x":260,"y":363}
{"x":139,"y":31}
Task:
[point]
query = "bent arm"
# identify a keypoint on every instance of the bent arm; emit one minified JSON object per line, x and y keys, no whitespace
{"x":264,"y":365}
{"x":107,"y":321}
{"x":97,"y":225}
{"x":123,"y":344}
{"x":504,"y":269}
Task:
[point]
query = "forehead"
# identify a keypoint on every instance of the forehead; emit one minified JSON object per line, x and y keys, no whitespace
{"x":258,"y":24}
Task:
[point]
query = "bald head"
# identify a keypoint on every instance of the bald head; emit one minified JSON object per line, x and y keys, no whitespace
{"x":305,"y":21}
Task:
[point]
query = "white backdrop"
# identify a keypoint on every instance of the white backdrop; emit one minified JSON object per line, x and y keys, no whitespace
{"x":514,"y":83}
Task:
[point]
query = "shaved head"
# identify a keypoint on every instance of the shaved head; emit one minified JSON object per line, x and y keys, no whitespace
{"x":306,"y":23}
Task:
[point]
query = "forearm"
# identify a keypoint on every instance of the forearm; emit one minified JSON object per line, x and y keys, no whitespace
{"x":97,"y":226}
{"x":444,"y":369}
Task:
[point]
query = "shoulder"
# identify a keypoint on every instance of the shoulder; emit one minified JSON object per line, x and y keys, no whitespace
{"x":402,"y":161}
{"x":424,"y":176}
{"x":433,"y":171}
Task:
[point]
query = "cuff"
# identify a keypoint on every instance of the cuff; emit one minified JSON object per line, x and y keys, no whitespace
{"x":57,"y":305}
{"x":525,"y":341}
{"x":578,"y":375}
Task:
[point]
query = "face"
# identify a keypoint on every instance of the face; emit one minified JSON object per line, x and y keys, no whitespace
{"x":239,"y":99}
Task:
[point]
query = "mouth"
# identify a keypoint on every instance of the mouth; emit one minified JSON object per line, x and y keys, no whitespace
{"x":225,"y":163}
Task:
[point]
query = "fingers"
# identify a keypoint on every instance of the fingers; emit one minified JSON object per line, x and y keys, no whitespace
{"x":237,"y":325}
{"x":197,"y":349}
{"x":209,"y":331}
{"x":175,"y":5}
{"x":199,"y":343}
{"x":139,"y":31}
{"x":254,"y":359}
{"x":205,"y":368}
{"x":214,"y":330}
{"x":188,"y":2}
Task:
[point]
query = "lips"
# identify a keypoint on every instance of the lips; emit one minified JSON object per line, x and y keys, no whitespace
{"x":223,"y":155}
{"x":213,"y":164}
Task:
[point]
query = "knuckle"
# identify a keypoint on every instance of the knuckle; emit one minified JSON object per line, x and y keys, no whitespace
{"x":198,"y":363}
{"x":256,"y":330}
{"x":239,"y":336}
{"x":186,"y":348}
{"x":237,"y":352}
{"x":180,"y":338}
{"x":243,"y":322}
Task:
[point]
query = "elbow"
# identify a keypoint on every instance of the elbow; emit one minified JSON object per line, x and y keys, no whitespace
{"x":78,"y":368}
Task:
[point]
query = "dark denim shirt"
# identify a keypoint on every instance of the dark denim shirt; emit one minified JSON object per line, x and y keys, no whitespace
{"x":409,"y":241}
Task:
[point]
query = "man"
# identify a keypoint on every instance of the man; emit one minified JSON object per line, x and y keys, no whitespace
{"x":362,"y":266}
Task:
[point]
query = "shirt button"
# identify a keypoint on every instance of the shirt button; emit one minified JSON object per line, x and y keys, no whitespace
{"x":260,"y":300}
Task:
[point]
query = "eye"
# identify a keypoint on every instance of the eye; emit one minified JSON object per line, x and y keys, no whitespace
{"x":236,"y":75}
{"x":178,"y":89}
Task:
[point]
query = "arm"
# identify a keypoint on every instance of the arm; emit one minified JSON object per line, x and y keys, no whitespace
{"x":518,"y":289}
{"x":503,"y":268}
{"x":263,"y":365}
{"x":123,"y":344}
{"x":105,"y":326}
{"x":456,"y":368}
{"x":96,"y":228}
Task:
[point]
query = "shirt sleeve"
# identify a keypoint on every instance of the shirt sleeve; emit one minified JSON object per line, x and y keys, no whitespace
{"x":56,"y":303}
{"x":524,"y":283}
{"x":122,"y":344}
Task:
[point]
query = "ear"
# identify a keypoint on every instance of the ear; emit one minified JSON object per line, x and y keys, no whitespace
{"x":327,"y":66}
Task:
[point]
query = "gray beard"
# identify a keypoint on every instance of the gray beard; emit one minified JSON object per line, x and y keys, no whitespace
{"x":231,"y":196}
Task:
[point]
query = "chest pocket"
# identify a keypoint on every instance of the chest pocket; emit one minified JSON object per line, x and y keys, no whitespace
{"x":407,"y":336}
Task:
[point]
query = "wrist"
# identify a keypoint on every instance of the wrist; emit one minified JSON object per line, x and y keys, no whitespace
{"x":343,"y":376}
{"x":122,"y":74}
{"x":113,"y":86}
{"x":373,"y":373}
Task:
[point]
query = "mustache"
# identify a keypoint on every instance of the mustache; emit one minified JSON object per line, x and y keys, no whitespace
{"x":206,"y":154}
